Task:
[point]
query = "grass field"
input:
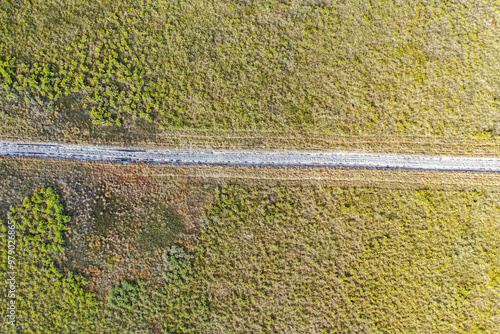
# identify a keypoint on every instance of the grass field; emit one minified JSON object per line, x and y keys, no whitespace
{"x":417,"y":71}
{"x":347,"y":260}
{"x":109,"y":248}
{"x":267,"y":250}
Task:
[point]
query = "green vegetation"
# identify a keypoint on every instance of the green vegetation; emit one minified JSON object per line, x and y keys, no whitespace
{"x":132,"y":307}
{"x":46,"y":299}
{"x":417,"y":68}
{"x":347,"y":260}
{"x":272,"y":255}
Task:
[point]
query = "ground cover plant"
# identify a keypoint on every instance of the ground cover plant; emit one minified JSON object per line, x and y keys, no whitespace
{"x":265,"y":250}
{"x":45,"y":298}
{"x":394,"y":68}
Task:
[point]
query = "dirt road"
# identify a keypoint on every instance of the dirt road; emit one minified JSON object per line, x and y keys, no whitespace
{"x":248,"y":158}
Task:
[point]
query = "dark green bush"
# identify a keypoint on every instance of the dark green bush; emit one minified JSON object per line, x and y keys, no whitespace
{"x":131,"y":309}
{"x":178,"y":265}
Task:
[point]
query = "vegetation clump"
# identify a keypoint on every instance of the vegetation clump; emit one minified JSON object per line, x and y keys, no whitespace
{"x":174,"y":307}
{"x":46,"y":298}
